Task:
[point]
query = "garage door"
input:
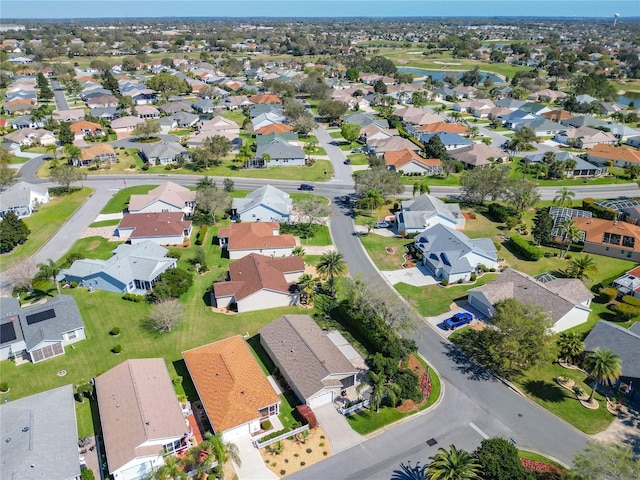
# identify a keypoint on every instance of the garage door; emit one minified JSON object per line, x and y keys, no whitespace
{"x":478,"y":303}
{"x":322,"y":399}
{"x":235,"y":433}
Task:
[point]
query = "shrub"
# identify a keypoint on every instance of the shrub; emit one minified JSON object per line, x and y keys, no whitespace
{"x":627,"y":312}
{"x":308,"y":450}
{"x":321,"y":444}
{"x":608,"y":294}
{"x":325,"y":453}
{"x":4,"y":387}
{"x":444,"y":282}
{"x":117,"y":349}
{"x":473,"y":277}
{"x":201,"y":234}
{"x":266,"y":425}
{"x":132,"y":297}
{"x":177,"y":380}
{"x":631,"y":300}
{"x":501,"y":213}
{"x":523,"y":248}
{"x":74,"y":284}
{"x":86,"y":473}
{"x":283,"y":472}
{"x":115,"y":331}
{"x":296,"y":455}
{"x":145,"y":167}
{"x":302,"y":464}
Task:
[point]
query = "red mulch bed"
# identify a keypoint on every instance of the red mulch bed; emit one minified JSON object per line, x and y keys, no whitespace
{"x":469,"y":216}
{"x":416,"y":366}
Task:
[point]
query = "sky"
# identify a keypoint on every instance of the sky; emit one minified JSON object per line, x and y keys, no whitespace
{"x":60,"y":9}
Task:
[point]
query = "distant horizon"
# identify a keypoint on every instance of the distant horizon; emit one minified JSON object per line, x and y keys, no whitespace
{"x":41,"y":10}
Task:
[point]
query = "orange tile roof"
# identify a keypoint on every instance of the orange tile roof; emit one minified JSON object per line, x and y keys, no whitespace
{"x":444,"y":127}
{"x":95,"y":150}
{"x":400,"y":158}
{"x":557,"y":115}
{"x":635,"y":272}
{"x":266,"y":98}
{"x":83,"y":125}
{"x":230,"y":383}
{"x":610,"y":152}
{"x":595,"y":228}
{"x":254,"y":235}
{"x":274,"y":128}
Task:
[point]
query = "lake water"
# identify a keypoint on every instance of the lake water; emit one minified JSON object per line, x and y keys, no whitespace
{"x":629,"y":97}
{"x":440,"y":74}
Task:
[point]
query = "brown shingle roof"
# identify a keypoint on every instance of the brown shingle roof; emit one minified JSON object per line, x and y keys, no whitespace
{"x":169,"y":192}
{"x":246,"y":236}
{"x":304,"y":352}
{"x":229,"y":382}
{"x":400,"y":158}
{"x":137,"y":403}
{"x":595,"y":228}
{"x":155,"y":224}
{"x":255,"y":272}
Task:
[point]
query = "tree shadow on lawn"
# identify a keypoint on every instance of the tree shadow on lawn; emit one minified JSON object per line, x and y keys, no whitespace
{"x":547,"y":391}
{"x":465,"y":364}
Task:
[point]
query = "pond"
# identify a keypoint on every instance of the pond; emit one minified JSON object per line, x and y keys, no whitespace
{"x":629,"y":97}
{"x":440,"y":74}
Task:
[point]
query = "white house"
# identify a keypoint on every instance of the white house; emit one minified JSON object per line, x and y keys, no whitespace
{"x":22,"y":198}
{"x":565,"y":300}
{"x":426,"y":211}
{"x":165,"y":228}
{"x":264,"y":204}
{"x":168,"y":197}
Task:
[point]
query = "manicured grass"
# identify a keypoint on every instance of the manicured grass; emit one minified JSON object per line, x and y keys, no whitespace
{"x":536,"y":457}
{"x":236,"y":116}
{"x":288,"y":408}
{"x":120,"y":200}
{"x":18,"y":160}
{"x":44,"y":224}
{"x":375,"y":246}
{"x":358,"y":159}
{"x":566,"y":182}
{"x":321,"y":237}
{"x":105,"y":223}
{"x":94,"y":247}
{"x":453,"y":180}
{"x":541,"y":386}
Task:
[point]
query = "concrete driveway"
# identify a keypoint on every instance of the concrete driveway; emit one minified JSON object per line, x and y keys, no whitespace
{"x":417,"y":276}
{"x":337,"y":429}
{"x":460,"y":306}
{"x":253,"y":467}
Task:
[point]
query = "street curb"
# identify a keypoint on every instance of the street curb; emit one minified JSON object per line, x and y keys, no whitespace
{"x":545,"y":455}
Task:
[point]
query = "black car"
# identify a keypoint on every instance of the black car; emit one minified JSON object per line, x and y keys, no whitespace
{"x":306,"y":186}
{"x":347,"y":161}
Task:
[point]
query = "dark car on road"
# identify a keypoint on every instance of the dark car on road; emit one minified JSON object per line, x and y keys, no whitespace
{"x":458,"y":320}
{"x":306,"y":186}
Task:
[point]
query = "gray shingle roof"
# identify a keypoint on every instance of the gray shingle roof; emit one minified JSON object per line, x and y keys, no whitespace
{"x":66,"y":318}
{"x":162,"y":150}
{"x":621,"y":341}
{"x":19,"y":194}
{"x":280,"y":149}
{"x":276,"y":199}
{"x":304,"y":352}
{"x":49,"y":447}
{"x":417,"y":211}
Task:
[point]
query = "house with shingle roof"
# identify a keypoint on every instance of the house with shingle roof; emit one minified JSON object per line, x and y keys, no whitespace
{"x":131,"y":269}
{"x":390,"y":144}
{"x":452,"y":256}
{"x":162,"y":153}
{"x":610,"y":238}
{"x":242,"y":239}
{"x":168,"y":197}
{"x":22,"y":199}
{"x":364,"y":119}
{"x":451,"y":141}
{"x":234,"y":391}
{"x":280,"y":153}
{"x":629,"y":283}
{"x":266,"y":119}
{"x":162,"y":228}
{"x":542,"y":127}
{"x":565,"y":300}
{"x":258,"y":282}
{"x":126,"y":124}
{"x":40,"y":436}
{"x":140,"y":416}
{"x":585,"y":137}
{"x":101,"y":151}
{"x":408,"y":161}
{"x":426,"y":210}
{"x":477,"y":155}
{"x":313,"y":366}
{"x":266,"y":203}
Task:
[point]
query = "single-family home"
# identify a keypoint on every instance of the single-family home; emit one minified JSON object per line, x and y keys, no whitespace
{"x":162,"y":228}
{"x":168,"y":197}
{"x":624,"y":342}
{"x":267,"y":203}
{"x":364,"y":119}
{"x":547,"y":95}
{"x":512,"y":104}
{"x":147,"y":112}
{"x":451,"y":141}
{"x":479,"y":108}
{"x":312,"y":365}
{"x":100,"y":152}
{"x":280,"y":153}
{"x":19,"y":106}
{"x":409,"y":162}
{"x":445,"y":127}
{"x":72,"y":115}
{"x":629,"y":283}
{"x":28,"y":137}
{"x":126,"y":124}
{"x":131,"y":269}
{"x":535,"y":107}
{"x":518,"y":117}
{"x":22,"y":199}
{"x":84,"y":128}
{"x":558,"y":115}
{"x":140,"y":416}
{"x":582,"y":167}
{"x":40,"y":436}
{"x":267,"y":98}
{"x":162,"y":153}
{"x":235,"y":393}
{"x":390,"y":144}
{"x":234,"y":102}
{"x":102,"y":101}
{"x":426,"y":211}
{"x":416,"y":116}
{"x":268,"y":118}
{"x":542,"y":127}
{"x":185,"y":119}
{"x":565,"y":300}
{"x":242,"y":239}
{"x":106,"y":113}
{"x":584,"y":137}
{"x":452,"y":256}
{"x":174,"y":107}
{"x":477,"y":155}
{"x":39,"y":332}
{"x":619,"y":156}
{"x":277,"y":128}
{"x":25,"y":121}
{"x":610,"y":238}
{"x":258,"y":282}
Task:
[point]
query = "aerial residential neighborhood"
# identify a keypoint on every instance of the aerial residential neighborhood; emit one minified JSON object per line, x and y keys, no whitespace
{"x":296,"y":246}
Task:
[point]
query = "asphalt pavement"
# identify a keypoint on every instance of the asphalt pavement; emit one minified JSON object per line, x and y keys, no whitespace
{"x":58,"y":95}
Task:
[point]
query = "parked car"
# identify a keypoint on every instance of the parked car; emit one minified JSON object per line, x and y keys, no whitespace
{"x":306,"y":186}
{"x":383,"y":224}
{"x":347,"y":161}
{"x":458,"y":320}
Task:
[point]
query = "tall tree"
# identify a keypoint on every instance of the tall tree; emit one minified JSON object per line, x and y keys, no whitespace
{"x":65,"y":175}
{"x":13,"y":232}
{"x":65,"y":135}
{"x":218,"y":147}
{"x":331,"y":265}
{"x":522,"y":194}
{"x":165,"y":315}
{"x":613,"y":461}
{"x":7,"y":174}
{"x":306,"y":285}
{"x":385,"y":181}
{"x":332,"y":109}
{"x":482,"y":183}
{"x":471,"y":78}
{"x":313,"y":211}
{"x":453,"y":465}
{"x":212,"y":201}
{"x":381,"y":389}
{"x":564,"y":197}
{"x":581,"y":267}
{"x":350,"y":132}
{"x":147,"y":129}
{"x":604,"y":366}
{"x":436,"y":149}
{"x":168,"y":84}
{"x":569,"y":345}
{"x":50,"y":271}
{"x":499,"y":460}
{"x":542,"y":227}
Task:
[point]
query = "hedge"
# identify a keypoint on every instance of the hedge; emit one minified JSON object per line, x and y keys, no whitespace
{"x":631,"y":300}
{"x":501,"y":213}
{"x":525,"y":249}
{"x":201,"y":234}
{"x":132,"y":297}
{"x":608,"y":294}
{"x":589,"y":204}
{"x":627,"y":312}
{"x":280,"y":432}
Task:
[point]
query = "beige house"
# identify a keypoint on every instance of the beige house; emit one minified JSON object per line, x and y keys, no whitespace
{"x":242,"y":239}
{"x":168,"y":197}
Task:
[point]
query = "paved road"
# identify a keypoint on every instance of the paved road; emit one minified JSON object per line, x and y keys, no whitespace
{"x":58,"y":95}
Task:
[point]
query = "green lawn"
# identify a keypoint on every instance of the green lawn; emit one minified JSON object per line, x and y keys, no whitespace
{"x":567,"y":182}
{"x":375,"y":246}
{"x":18,"y":160}
{"x":321,"y":237}
{"x":105,"y":223}
{"x":452,"y":180}
{"x":358,"y":159}
{"x":538,"y":458}
{"x":44,"y":224}
{"x":120,"y":200}
{"x":94,"y":247}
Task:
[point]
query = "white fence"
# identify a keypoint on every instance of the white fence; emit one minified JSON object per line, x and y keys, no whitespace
{"x":354,"y":408}
{"x":265,"y":443}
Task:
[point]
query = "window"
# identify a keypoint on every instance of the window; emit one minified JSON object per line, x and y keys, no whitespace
{"x":72,"y":335}
{"x":628,"y":241}
{"x":612,"y":238}
{"x":47,"y":352}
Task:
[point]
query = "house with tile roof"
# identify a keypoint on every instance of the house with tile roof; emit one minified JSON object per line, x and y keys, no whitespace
{"x":624,"y":342}
{"x":242,"y":239}
{"x":438,"y":127}
{"x":39,"y":332}
{"x":257,"y":282}
{"x":313,"y":366}
{"x":83,"y":128}
{"x":409,"y":162}
{"x":565,"y":300}
{"x":131,"y":269}
{"x":103,"y":152}
{"x":620,"y":156}
{"x":267,"y":203}
{"x":277,"y":128}
{"x":168,"y":197}
{"x":610,"y":238}
{"x":266,"y":119}
{"x":162,"y":228}
{"x":426,"y":211}
{"x":140,"y":416}
{"x":452,"y":256}
{"x":22,"y":199}
{"x":234,"y":391}
{"x":40,"y":436}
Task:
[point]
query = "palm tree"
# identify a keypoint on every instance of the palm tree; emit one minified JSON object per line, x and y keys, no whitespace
{"x":570,"y":345}
{"x":369,"y":223}
{"x":298,"y":251}
{"x":580,"y":267}
{"x":375,"y":198}
{"x":53,"y":148}
{"x":573,"y":235}
{"x":381,"y":389}
{"x":604,"y":366}
{"x":331,"y":265}
{"x":306,"y":284}
{"x":453,"y":465}
{"x":72,"y":151}
{"x":171,"y":470}
{"x":49,"y":271}
{"x":222,"y":451}
{"x":564,"y":196}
